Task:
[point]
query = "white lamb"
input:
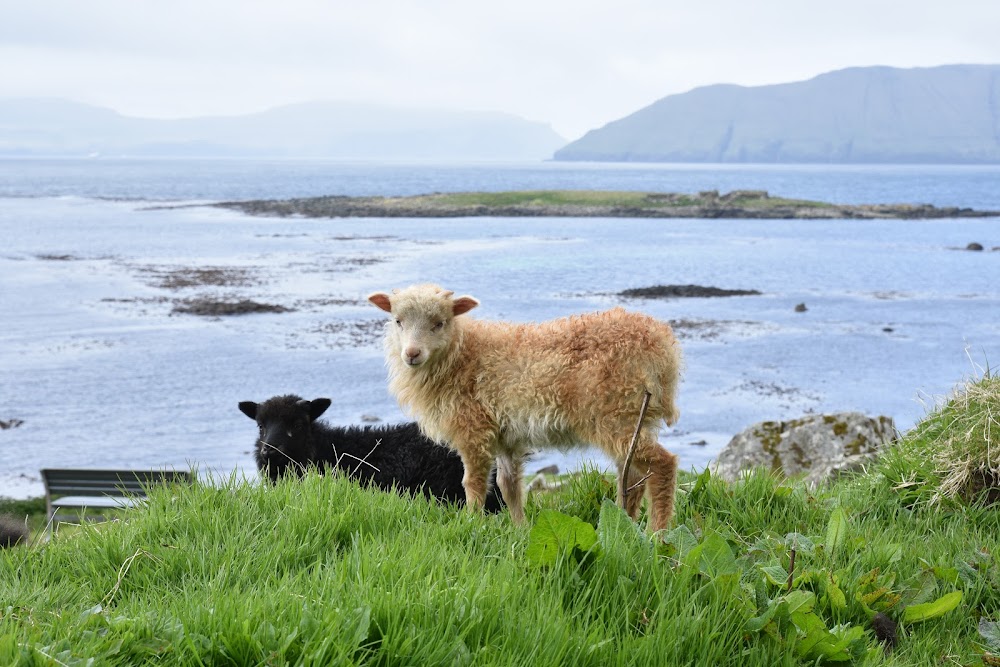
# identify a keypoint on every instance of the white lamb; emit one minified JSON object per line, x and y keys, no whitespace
{"x":495,"y":390}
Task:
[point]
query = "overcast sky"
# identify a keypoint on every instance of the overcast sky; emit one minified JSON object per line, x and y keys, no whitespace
{"x":576,"y":64}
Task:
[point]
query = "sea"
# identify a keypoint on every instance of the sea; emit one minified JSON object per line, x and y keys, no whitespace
{"x":102,"y":364}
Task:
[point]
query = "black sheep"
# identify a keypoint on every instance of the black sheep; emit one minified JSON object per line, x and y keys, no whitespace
{"x":291,"y":441}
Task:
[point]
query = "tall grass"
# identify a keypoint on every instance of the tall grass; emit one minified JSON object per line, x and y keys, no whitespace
{"x":954,"y":453}
{"x":322,"y":572}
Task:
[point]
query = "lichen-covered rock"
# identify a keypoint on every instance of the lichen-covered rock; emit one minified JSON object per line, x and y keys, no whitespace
{"x":818,"y":447}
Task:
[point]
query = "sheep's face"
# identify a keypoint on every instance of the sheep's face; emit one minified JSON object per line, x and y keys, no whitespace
{"x":423,"y":321}
{"x":284,"y":437}
{"x":284,"y":424}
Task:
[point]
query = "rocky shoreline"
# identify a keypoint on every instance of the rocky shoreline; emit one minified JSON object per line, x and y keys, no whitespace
{"x":751,"y":204}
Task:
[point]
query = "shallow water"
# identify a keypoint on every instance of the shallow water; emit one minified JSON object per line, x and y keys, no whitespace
{"x":102,"y":373}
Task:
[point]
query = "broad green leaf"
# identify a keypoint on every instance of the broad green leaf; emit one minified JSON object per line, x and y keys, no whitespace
{"x":920,"y":588}
{"x":835,"y":597}
{"x":713,"y":557}
{"x":969,"y":575}
{"x":868,"y":578}
{"x":555,"y":534}
{"x":923,"y":612}
{"x":757,"y":623}
{"x":836,"y":530}
{"x":887,"y":554}
{"x":681,"y":539}
{"x":946,"y":574}
{"x":775,"y":574}
{"x":990,"y":631}
{"x":760,"y":593}
{"x":868,"y":599}
{"x":800,"y":601}
{"x":701,"y":482}
{"x":362,"y":624}
{"x":620,"y":537}
{"x":812,"y":631}
{"x":799,"y":542}
{"x":843,"y":644}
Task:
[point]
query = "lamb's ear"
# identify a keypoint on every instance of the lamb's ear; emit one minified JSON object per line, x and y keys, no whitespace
{"x":318,"y":406}
{"x":463,"y":304}
{"x":381,"y":299}
{"x":249,"y":408}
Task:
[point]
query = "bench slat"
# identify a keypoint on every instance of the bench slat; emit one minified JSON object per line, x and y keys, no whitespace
{"x":97,"y":501}
{"x":92,"y":487}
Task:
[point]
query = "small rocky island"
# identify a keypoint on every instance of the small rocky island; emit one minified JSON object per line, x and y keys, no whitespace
{"x":593,"y":204}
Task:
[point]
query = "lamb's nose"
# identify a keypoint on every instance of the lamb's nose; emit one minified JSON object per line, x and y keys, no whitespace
{"x":412,"y":353}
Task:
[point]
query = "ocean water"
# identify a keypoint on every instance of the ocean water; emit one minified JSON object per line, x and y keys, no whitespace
{"x":103,"y":371}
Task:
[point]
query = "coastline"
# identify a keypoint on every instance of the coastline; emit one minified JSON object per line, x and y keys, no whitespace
{"x":738,"y":204}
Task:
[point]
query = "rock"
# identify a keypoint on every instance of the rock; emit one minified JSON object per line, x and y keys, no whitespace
{"x":974,"y":246}
{"x":217,"y":308}
{"x":370,"y":418}
{"x":801,"y":308}
{"x":542,"y":483}
{"x":818,"y":447}
{"x":683,"y":291}
{"x":12,"y":423}
{"x":548,"y":470}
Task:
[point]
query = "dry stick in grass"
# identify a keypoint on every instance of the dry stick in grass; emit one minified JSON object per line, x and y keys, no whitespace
{"x":361,"y":461}
{"x":623,"y":491}
{"x":302,"y":468}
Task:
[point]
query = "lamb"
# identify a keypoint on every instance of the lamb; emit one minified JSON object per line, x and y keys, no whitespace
{"x":291,"y":440}
{"x":493,"y":390}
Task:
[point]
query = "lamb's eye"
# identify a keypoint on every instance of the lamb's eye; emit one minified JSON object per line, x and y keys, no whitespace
{"x":399,"y":323}
{"x":437,"y":327}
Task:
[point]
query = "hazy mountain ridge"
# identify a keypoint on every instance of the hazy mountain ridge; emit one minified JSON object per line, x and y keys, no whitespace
{"x":947,"y":114}
{"x":40,"y":127}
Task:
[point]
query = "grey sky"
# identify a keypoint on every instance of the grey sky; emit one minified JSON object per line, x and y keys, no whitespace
{"x":576,"y":64}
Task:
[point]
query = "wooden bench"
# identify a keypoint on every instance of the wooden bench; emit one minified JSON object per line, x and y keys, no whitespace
{"x":83,"y":488}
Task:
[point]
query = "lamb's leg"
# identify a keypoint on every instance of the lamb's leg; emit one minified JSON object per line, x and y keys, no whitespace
{"x":633,"y":498}
{"x":662,"y":482}
{"x":510,"y":476}
{"x":476,"y":479}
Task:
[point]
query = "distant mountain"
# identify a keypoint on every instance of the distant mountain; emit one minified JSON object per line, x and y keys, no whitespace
{"x":948,"y":114}
{"x":40,"y":127}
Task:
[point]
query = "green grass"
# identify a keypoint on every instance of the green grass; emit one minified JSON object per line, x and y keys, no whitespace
{"x":540,"y":198}
{"x":598,"y":198}
{"x":321,"y":572}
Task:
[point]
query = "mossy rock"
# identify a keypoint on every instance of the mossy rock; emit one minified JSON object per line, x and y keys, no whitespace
{"x":817,"y":447}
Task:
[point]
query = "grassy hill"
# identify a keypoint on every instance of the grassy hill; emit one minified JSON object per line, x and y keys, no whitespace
{"x":899,"y":566}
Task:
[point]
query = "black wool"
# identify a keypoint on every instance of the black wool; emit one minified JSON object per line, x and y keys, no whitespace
{"x":291,"y":441}
{"x":12,"y":531}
